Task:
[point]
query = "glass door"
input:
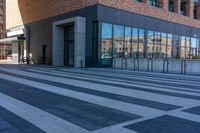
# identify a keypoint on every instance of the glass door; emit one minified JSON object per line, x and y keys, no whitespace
{"x":69,"y":46}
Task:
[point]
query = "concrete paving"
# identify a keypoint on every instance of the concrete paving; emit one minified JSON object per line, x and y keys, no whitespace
{"x":37,"y":99}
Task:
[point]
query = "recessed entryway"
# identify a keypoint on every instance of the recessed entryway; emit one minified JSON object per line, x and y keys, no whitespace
{"x":69,"y":38}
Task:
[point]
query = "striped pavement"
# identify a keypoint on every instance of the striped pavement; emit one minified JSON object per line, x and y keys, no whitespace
{"x":38,"y":99}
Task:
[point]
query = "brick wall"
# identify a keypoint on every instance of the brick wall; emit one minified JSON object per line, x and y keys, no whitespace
{"x":35,"y":10}
{"x":147,"y":10}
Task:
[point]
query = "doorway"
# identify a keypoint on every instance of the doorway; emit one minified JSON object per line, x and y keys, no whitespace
{"x":21,"y":50}
{"x":69,"y":46}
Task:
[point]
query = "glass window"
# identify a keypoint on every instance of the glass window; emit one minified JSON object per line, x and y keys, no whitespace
{"x":187,"y":48}
{"x":169,"y":45}
{"x":155,"y":3}
{"x":150,"y":43}
{"x":163,"y":50}
{"x":182,"y":49}
{"x":171,"y":6}
{"x":134,"y":43}
{"x":175,"y":49}
{"x":194,"y":47}
{"x":106,"y":44}
{"x":128,"y":44}
{"x":118,"y":50}
{"x":157,"y":45}
{"x":141,"y":43}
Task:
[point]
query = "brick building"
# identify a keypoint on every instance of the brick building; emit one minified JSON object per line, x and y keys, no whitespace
{"x":5,"y":49}
{"x":93,"y":32}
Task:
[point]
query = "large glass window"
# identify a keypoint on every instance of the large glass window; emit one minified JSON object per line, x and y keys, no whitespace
{"x":176,"y":42}
{"x":169,"y":45}
{"x":194,"y":47}
{"x":150,"y":43}
{"x":157,"y":45}
{"x":128,"y":43}
{"x":106,"y":44}
{"x":187,"y":48}
{"x":135,"y":43}
{"x":141,"y":43}
{"x":118,"y":41}
{"x":182,"y":48}
{"x":163,"y":50}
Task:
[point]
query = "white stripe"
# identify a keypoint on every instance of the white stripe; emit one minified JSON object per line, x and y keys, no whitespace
{"x":104,"y":79}
{"x":114,"y":129}
{"x":160,"y":79}
{"x":43,"y":120}
{"x":148,"y":73}
{"x":117,"y":90}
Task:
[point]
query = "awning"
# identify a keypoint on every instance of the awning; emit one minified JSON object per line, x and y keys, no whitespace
{"x":11,"y":39}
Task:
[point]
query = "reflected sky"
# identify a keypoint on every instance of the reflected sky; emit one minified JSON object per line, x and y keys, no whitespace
{"x":106,"y":30}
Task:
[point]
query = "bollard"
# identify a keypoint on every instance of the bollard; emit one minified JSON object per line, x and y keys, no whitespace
{"x":81,"y":61}
{"x":164,"y":62}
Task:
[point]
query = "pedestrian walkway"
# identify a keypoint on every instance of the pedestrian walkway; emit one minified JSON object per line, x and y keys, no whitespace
{"x":37,"y":99}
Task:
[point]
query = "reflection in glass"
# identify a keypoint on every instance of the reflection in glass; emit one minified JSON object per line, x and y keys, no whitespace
{"x":150,"y":43}
{"x":157,"y":45}
{"x":163,"y":49}
{"x":175,"y":53}
{"x":134,"y":43}
{"x":106,"y":44}
{"x":120,"y":41}
{"x":128,"y":45}
{"x":141,"y":43}
{"x":194,"y":47}
{"x":183,"y":45}
{"x":118,"y":50}
{"x":169,"y":45}
{"x":187,"y":48}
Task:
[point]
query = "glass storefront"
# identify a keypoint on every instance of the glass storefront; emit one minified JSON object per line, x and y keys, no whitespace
{"x":169,"y":46}
{"x":128,"y":43}
{"x":150,"y":43}
{"x":135,"y":42}
{"x":141,"y":46}
{"x":106,"y":44}
{"x":119,"y":41}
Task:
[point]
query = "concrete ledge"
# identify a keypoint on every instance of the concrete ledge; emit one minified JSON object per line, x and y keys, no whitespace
{"x":158,"y":65}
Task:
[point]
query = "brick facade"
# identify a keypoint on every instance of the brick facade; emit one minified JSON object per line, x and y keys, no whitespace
{"x":147,"y":10}
{"x":164,"y":4}
{"x":35,"y":10}
{"x":190,"y":8}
